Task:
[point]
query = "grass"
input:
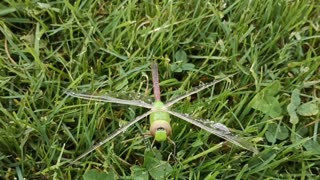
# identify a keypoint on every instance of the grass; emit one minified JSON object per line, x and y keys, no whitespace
{"x":107,"y":47}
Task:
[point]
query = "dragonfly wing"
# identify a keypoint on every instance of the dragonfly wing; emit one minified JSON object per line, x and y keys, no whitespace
{"x":217,"y":129}
{"x":110,"y":99}
{"x":117,"y":132}
{"x":196,"y":90}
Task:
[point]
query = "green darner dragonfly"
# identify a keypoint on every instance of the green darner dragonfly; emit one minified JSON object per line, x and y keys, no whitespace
{"x":159,"y":113}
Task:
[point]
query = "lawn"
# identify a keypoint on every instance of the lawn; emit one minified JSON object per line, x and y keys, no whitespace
{"x":272,"y":48}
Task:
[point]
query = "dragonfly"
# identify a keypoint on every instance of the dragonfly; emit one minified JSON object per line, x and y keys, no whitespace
{"x":159,"y":116}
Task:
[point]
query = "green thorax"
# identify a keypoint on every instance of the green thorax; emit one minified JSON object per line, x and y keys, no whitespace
{"x":159,"y":113}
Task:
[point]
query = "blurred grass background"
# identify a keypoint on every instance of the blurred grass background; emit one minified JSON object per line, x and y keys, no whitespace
{"x":106,"y":47}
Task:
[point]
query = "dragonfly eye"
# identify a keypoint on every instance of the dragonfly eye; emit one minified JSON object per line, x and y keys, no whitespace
{"x":160,"y":130}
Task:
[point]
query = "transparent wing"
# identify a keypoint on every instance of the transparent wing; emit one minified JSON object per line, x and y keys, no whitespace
{"x":217,"y":129}
{"x":110,"y":99}
{"x":196,"y":90}
{"x":116,"y":133}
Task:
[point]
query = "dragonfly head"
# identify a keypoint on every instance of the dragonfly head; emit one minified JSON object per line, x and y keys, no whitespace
{"x":160,"y":130}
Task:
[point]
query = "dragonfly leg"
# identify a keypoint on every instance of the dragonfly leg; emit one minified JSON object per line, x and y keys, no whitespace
{"x":154,"y":140}
{"x":174,"y":149}
{"x":174,"y":145}
{"x":145,"y":136}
